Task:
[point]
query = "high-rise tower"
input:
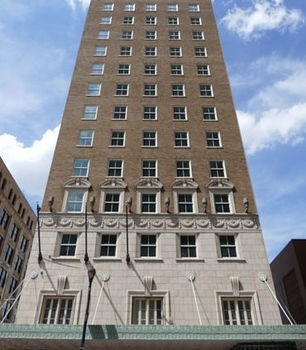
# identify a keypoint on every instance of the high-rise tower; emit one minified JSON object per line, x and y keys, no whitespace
{"x":149,"y":142}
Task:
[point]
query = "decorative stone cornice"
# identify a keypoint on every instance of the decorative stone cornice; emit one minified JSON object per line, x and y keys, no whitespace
{"x":220,"y":184}
{"x":201,"y":222}
{"x":188,"y":184}
{"x":147,"y":183}
{"x":77,"y":182}
{"x":113,"y":183}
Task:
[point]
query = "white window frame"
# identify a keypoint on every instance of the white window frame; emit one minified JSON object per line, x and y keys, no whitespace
{"x":97,"y":69}
{"x":179,"y":113}
{"x":198,"y":35}
{"x":120,"y":112}
{"x":148,"y":139}
{"x":117,"y":167}
{"x":177,"y":69}
{"x":183,"y":166}
{"x":175,"y":52}
{"x":129,"y":20}
{"x":117,"y":138}
{"x":90,"y":112}
{"x":178,"y":90}
{"x":93,"y":89}
{"x":172,"y":7}
{"x":125,"y":51}
{"x":189,"y":246}
{"x":216,"y":168}
{"x":103,"y":35}
{"x":181,"y":137}
{"x":151,"y":20}
{"x":106,"y":20}
{"x":150,"y":90}
{"x":109,"y":6}
{"x":151,"y":111}
{"x":124,"y":69}
{"x":150,"y":34}
{"x":151,"y":51}
{"x":89,"y":137}
{"x":148,"y":202}
{"x":129,"y":7}
{"x":147,"y":245}
{"x":230,"y":201}
{"x":193,"y":195}
{"x":150,"y":69}
{"x":148,"y":166}
{"x":122,"y":89}
{"x":174,"y":35}
{"x":209,"y":113}
{"x":194,"y":8}
{"x":203,"y":69}
{"x":206,"y":90}
{"x":81,"y":165}
{"x":200,"y":52}
{"x":61,"y":244}
{"x":195,"y":21}
{"x":228,"y":246}
{"x":108,"y":245}
{"x":112,"y":202}
{"x":173,"y":21}
{"x":151,"y":7}
{"x":68,"y":192}
{"x":213,"y":139}
{"x":100,"y":51}
{"x":127,"y":35}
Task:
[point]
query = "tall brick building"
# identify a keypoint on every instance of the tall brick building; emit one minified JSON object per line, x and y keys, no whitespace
{"x":150,"y":144}
{"x":17,"y":225}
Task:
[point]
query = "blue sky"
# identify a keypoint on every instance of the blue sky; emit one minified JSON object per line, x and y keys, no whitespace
{"x":264,"y":47}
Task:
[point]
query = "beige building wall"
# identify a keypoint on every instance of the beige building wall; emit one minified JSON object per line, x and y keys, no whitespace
{"x":195,"y":241}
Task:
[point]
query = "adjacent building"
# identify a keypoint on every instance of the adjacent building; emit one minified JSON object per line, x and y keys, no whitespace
{"x":17,"y":225}
{"x":149,"y":163}
{"x":289,"y":275}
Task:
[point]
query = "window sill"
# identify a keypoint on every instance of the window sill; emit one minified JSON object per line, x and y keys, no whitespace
{"x":231,"y":260}
{"x":189,"y":260}
{"x":104,"y":258}
{"x":146,"y":259}
{"x":65,"y":258}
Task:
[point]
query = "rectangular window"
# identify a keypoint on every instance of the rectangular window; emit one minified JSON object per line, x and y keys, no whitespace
{"x":127,"y":35}
{"x":75,"y":201}
{"x":81,"y":167}
{"x":125,"y":51}
{"x":209,"y":113}
{"x":150,"y":112}
{"x":23,"y":244}
{"x":237,"y":311}
{"x":178,"y":90}
{"x":200,"y":52}
{"x":100,"y":51}
{"x":213,"y":139}
{"x":112,"y":201}
{"x":124,"y":69}
{"x":93,"y":89}
{"x":175,"y":51}
{"x":120,"y":112}
{"x":188,"y":246}
{"x":172,"y":7}
{"x":57,"y":310}
{"x":228,"y":246}
{"x":177,"y":69}
{"x":149,"y":168}
{"x":222,"y":203}
{"x":183,"y":168}
{"x":103,"y":34}
{"x":173,"y":20}
{"x":68,"y":244}
{"x":147,"y":311}
{"x":150,"y":90}
{"x":3,"y":275}
{"x":150,"y":51}
{"x":8,"y":255}
{"x":14,"y":232}
{"x":151,"y":35}
{"x":150,"y":20}
{"x":108,"y":6}
{"x":195,"y":20}
{"x":117,"y":138}
{"x":86,"y":138}
{"x":206,"y":90}
{"x":108,"y":245}
{"x":106,"y":20}
{"x":148,"y":203}
{"x":203,"y":69}
{"x":115,"y":168}
{"x":197,"y":35}
{"x":122,"y":89}
{"x":217,"y":168}
{"x":90,"y":112}
{"x":149,"y":139}
{"x":181,"y":139}
{"x":97,"y":69}
{"x":151,"y":7}
{"x":179,"y":113}
{"x":150,"y":69}
{"x":12,"y":285}
{"x":148,"y":245}
{"x":128,"y":20}
{"x":174,"y":35}
{"x":193,"y":8}
{"x":185,"y":203}
{"x":129,"y":7}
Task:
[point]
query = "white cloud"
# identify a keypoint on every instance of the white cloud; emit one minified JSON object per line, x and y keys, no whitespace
{"x":261,"y":16}
{"x":264,"y":130}
{"x":74,"y":3}
{"x":29,"y":165}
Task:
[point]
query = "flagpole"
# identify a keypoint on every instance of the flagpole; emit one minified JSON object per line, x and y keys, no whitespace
{"x":38,"y":233}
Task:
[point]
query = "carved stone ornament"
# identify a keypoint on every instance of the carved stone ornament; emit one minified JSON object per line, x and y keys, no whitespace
{"x":220,"y":184}
{"x":235,"y":286}
{"x":61,"y":283}
{"x":189,"y":184}
{"x":113,"y":183}
{"x":77,"y":182}
{"x":149,"y":183}
{"x":148,"y":284}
